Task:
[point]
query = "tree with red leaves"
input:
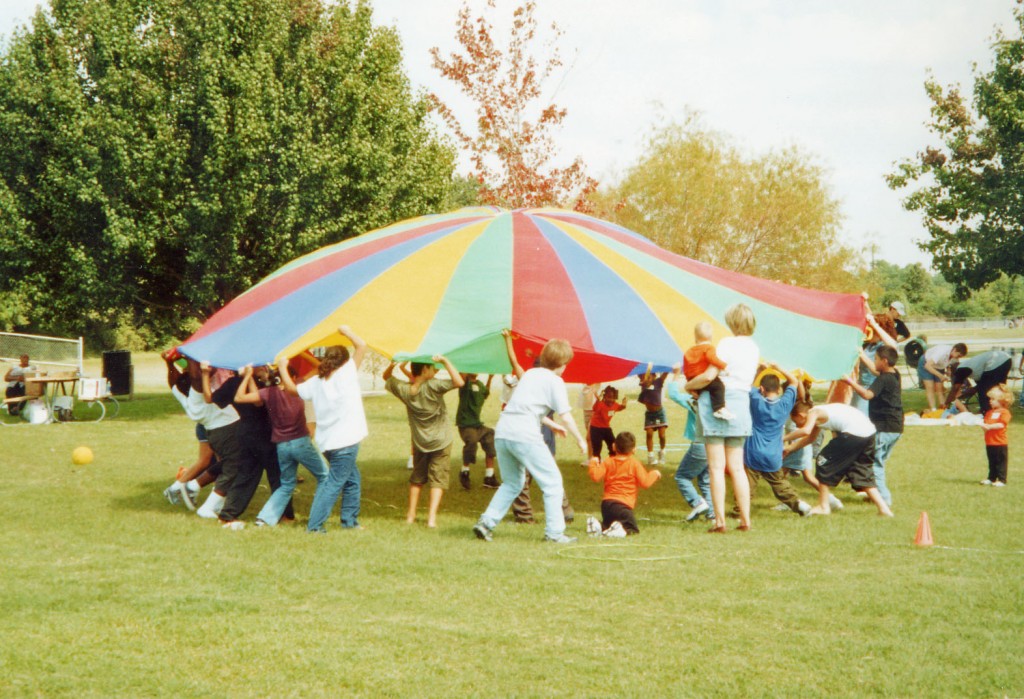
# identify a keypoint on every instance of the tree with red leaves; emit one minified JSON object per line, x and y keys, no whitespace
{"x":511,"y":154}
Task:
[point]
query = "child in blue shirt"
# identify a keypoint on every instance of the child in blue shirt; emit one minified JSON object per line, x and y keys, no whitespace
{"x":770,"y":406}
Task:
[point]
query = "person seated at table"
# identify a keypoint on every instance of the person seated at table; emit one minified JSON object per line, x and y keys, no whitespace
{"x":15,"y":377}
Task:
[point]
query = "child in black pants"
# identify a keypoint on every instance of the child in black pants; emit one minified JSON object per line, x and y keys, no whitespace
{"x":996,"y":421}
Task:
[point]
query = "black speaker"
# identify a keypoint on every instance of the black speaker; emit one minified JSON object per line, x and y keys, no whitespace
{"x":117,"y":368}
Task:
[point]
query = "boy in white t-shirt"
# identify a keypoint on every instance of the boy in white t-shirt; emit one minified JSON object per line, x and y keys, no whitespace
{"x":850,"y":454}
{"x":521,"y":447}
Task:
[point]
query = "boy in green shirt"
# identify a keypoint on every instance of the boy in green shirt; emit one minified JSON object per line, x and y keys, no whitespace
{"x":431,"y":432}
{"x":473,"y":431}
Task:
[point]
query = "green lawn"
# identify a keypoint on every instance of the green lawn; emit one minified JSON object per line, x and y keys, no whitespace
{"x":107,"y":590}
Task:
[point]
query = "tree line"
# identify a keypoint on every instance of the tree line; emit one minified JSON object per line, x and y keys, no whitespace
{"x":158,"y":157}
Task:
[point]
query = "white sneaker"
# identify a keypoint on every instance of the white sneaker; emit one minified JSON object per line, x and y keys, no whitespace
{"x":211,"y":508}
{"x":860,"y":494}
{"x":652,"y":459}
{"x":998,"y":484}
{"x":661,"y":456}
{"x":593,"y":526}
{"x":172,"y":494}
{"x":723,"y":414}
{"x":834,"y":502}
{"x":696,"y":512}
{"x":802,"y":507}
{"x":186,"y":494}
{"x":615,"y":531}
{"x":985,"y":482}
{"x":235,"y":526}
{"x":560,"y":539}
{"x":781,"y":508}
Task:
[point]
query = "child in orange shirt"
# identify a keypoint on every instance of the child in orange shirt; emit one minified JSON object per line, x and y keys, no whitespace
{"x":996,"y":421}
{"x":622,"y":475}
{"x":697,"y":359}
{"x":601,"y":421}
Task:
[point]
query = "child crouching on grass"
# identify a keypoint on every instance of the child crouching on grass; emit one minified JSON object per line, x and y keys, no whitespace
{"x":623,"y":475}
{"x":996,"y":444}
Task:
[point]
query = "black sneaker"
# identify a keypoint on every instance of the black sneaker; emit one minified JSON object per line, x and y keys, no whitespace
{"x":491,"y":482}
{"x":464,"y":479}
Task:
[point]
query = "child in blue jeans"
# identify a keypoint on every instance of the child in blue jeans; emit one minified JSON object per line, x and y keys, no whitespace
{"x":694,"y":464}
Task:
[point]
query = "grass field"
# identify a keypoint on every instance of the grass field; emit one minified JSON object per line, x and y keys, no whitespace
{"x":107,"y":590}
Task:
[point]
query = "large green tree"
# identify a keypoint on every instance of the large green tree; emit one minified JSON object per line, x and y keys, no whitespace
{"x":695,"y":193}
{"x":968,"y":187}
{"x":159,"y":156}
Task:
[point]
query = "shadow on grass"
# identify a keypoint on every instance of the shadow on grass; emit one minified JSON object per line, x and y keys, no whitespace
{"x":146,"y":497}
{"x":144,"y":407}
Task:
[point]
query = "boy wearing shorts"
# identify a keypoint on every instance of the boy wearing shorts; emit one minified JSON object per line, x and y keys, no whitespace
{"x":473,"y":431}
{"x":431,"y":434}
{"x":850,"y":454}
{"x":654,"y":416}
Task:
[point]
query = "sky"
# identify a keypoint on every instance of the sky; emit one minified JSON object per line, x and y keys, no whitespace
{"x":843,"y":82}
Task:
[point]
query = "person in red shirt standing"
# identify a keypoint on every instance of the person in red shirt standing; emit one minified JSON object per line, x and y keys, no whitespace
{"x":623,"y":476}
{"x":601,"y":421}
{"x":996,"y":421}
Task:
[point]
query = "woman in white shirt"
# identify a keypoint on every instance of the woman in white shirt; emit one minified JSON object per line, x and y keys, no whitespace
{"x":340,"y":427}
{"x":724,"y":438}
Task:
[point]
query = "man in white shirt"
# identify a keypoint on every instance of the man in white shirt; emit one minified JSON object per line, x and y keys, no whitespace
{"x":15,"y":377}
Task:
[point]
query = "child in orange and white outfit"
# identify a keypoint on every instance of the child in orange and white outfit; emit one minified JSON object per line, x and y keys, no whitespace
{"x":697,"y":359}
{"x":623,"y":476}
{"x":996,"y":421}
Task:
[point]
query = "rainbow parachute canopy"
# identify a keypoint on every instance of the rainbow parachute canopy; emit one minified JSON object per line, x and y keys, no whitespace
{"x":449,"y":283}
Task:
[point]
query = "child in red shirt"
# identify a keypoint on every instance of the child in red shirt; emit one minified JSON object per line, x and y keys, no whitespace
{"x":996,"y":421}
{"x":697,"y":359}
{"x":601,"y":421}
{"x":623,"y":475}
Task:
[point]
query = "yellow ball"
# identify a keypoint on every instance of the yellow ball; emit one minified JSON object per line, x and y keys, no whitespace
{"x":81,"y":456}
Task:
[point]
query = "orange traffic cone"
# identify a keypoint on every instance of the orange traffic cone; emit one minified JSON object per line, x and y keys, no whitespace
{"x":924,"y":531}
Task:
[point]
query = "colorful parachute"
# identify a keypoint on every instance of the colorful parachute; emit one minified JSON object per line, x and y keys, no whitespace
{"x":448,"y":284}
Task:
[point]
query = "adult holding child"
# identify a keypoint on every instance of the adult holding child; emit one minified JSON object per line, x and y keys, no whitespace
{"x":724,"y":439}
